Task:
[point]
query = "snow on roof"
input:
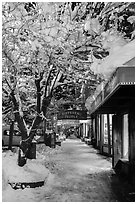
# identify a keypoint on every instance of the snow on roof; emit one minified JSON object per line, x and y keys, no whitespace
{"x":116,"y":59}
{"x":125,"y":56}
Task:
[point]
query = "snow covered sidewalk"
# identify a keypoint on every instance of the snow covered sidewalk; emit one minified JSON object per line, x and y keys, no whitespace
{"x":77,"y":173}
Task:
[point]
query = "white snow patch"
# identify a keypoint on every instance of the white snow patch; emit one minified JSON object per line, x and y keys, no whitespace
{"x":116,"y":58}
{"x":32,"y":171}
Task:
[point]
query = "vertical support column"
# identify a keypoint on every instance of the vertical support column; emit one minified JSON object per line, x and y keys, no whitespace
{"x":85,"y":127}
{"x":98,"y":131}
{"x":91,"y":129}
{"x":82,"y":130}
{"x":132,"y":146}
{"x":90,"y":126}
{"x":101,"y":132}
{"x":131,"y":121}
{"x":93,"y":121}
{"x":114,"y":124}
{"x":108,"y":127}
{"x":117,"y":138}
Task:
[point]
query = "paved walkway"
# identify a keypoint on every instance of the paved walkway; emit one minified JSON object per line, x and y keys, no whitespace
{"x":83,"y":175}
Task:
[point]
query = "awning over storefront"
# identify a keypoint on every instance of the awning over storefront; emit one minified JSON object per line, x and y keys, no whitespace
{"x":118,"y":93}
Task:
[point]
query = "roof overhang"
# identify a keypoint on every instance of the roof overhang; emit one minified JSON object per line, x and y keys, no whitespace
{"x":117,"y":94}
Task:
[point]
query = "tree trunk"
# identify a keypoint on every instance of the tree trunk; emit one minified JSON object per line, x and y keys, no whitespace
{"x":37,"y":83}
{"x":11,"y":135}
{"x":34,"y":127}
{"x":44,"y":131}
{"x":18,"y":117}
{"x":45,"y":103}
{"x":26,"y":144}
{"x":21,"y":125}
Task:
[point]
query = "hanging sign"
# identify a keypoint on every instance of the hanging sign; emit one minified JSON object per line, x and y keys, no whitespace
{"x":72,"y":114}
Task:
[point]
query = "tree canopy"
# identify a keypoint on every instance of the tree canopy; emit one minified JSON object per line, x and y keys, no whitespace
{"x":50,"y":51}
{"x":64,"y":39}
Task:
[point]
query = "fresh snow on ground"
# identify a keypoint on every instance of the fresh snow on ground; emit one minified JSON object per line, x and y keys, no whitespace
{"x":33,"y":171}
{"x":75,"y":173}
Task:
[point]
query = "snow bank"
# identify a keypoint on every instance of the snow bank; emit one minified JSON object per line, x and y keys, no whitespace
{"x":4,"y":180}
{"x":38,"y":169}
{"x":32,"y":171}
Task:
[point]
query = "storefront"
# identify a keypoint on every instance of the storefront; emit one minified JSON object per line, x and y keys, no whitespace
{"x":102,"y":133}
{"x":113,"y":119}
{"x":85,"y":129}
